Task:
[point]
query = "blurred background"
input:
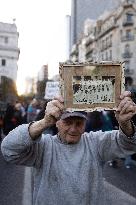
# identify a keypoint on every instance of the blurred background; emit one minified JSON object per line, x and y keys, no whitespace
{"x":36,"y":36}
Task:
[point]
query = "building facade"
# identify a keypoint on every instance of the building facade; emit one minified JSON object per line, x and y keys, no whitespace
{"x":42,"y":78}
{"x":112,"y":37}
{"x":9,"y":51}
{"x":83,"y":9}
{"x":9,"y":54}
{"x":43,"y":73}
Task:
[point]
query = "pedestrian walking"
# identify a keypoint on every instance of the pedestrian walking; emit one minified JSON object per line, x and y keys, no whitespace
{"x":7,"y":119}
{"x":32,"y":110}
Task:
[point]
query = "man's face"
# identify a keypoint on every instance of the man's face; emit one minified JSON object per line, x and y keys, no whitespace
{"x":71,"y":129}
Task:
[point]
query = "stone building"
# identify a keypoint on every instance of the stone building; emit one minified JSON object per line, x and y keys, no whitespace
{"x":112,"y":37}
{"x":83,"y":9}
{"x":9,"y":54}
{"x":9,"y":51}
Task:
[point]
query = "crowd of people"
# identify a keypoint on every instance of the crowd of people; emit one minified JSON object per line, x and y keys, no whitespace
{"x":17,"y":113}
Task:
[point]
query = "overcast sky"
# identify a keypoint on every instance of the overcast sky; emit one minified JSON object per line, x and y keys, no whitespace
{"x":42,"y":33}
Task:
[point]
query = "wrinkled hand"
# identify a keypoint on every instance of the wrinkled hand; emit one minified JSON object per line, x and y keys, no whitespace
{"x":54,"y":110}
{"x":126,"y":108}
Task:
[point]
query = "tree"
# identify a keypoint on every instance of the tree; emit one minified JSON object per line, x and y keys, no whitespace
{"x":8,"y":90}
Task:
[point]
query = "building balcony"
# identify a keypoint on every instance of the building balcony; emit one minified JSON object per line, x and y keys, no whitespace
{"x":128,"y":3}
{"x":128,"y":22}
{"x":106,"y":31}
{"x":127,"y":38}
{"x":9,"y":48}
{"x":109,"y":44}
{"x":89,"y":49}
{"x":106,"y":46}
{"x":74,"y":50}
{"x":127,"y":55}
{"x":89,"y":57}
{"x":89,"y":40}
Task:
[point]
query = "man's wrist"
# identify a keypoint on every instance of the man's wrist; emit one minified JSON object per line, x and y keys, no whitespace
{"x":128,"y":129}
{"x":36,"y":128}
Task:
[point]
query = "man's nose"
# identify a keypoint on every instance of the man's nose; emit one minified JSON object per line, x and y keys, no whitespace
{"x":73,"y":127}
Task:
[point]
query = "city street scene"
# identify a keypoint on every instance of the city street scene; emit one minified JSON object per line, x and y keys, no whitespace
{"x":67,"y":127}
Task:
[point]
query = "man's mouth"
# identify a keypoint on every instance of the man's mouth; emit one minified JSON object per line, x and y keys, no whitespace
{"x":73,"y":135}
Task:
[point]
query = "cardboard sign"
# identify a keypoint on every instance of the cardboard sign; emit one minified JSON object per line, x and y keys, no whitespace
{"x":52,"y":89}
{"x":91,"y":86}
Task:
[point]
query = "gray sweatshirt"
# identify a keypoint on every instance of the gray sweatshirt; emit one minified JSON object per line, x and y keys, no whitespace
{"x":67,"y":174}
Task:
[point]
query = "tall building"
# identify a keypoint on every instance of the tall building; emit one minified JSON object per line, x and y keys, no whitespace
{"x":43,"y":73}
{"x":84,"y":9}
{"x":42,"y":78}
{"x":30,"y":86}
{"x":9,"y":51}
{"x":112,"y":37}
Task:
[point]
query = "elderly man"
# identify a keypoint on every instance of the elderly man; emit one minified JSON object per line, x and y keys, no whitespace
{"x":68,"y":166}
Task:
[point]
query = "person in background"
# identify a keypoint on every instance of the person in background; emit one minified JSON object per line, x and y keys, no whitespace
{"x":99,"y":120}
{"x":18,"y":115}
{"x":68,"y":167}
{"x":32,"y":110}
{"x":41,"y":113}
{"x":12,"y":118}
{"x":1,"y":126}
{"x":7,"y":120}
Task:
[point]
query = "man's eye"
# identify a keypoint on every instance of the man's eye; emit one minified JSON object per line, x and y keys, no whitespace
{"x":78,"y":123}
{"x":67,"y":122}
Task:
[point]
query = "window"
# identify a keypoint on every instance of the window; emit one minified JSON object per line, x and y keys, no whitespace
{"x":127,"y":65}
{"x":3,"y":62}
{"x":106,"y":56}
{"x":110,"y":56}
{"x":129,"y":17}
{"x":127,"y":48}
{"x":102,"y":44}
{"x":106,"y":42}
{"x":110,"y":40}
{"x":6,"y":39}
{"x":128,"y":33}
{"x":102,"y":57}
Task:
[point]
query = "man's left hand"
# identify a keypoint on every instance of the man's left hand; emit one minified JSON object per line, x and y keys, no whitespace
{"x":126,"y":108}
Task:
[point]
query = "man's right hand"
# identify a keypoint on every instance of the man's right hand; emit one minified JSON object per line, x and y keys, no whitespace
{"x":54,"y":110}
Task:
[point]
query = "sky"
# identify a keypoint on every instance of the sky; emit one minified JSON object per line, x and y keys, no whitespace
{"x":42,"y":34}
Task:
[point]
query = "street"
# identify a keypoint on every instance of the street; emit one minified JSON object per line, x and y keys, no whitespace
{"x":120,"y":185}
{"x":15,"y":185}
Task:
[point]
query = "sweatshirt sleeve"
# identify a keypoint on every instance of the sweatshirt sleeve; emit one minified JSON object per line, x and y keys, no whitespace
{"x":18,"y":147}
{"x":115,"y":144}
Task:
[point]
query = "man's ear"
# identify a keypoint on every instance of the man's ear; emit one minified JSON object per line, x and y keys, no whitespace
{"x":57,"y":123}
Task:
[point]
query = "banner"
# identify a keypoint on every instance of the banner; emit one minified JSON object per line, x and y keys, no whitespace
{"x":52,"y":89}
